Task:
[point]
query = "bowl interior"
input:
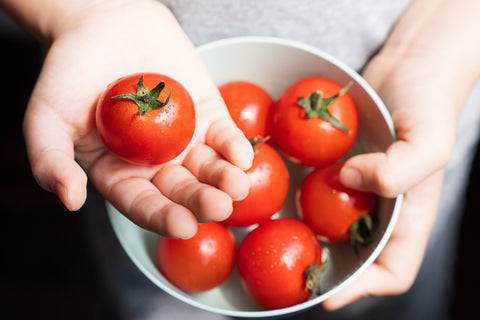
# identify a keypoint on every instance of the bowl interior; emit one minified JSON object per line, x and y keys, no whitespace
{"x":275,"y":64}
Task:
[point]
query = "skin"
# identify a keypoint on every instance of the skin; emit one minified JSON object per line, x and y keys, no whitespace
{"x":64,"y":147}
{"x":63,"y":144}
{"x":425,"y":105}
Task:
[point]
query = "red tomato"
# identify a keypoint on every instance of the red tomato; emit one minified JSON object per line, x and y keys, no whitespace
{"x":138,"y":134}
{"x":200,"y":263}
{"x":249,"y":106}
{"x":269,"y":182}
{"x":306,"y":130}
{"x":272,"y":261}
{"x":334,"y":212}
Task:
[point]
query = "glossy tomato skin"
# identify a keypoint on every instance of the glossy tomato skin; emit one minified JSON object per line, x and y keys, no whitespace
{"x":328,"y":207}
{"x":154,"y":137}
{"x":269,"y":182}
{"x":272,"y":260}
{"x":313,"y":141}
{"x":250,"y":107}
{"x":200,"y":263}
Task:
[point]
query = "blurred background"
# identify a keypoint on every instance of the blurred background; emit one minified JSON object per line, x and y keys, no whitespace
{"x":48,"y":267}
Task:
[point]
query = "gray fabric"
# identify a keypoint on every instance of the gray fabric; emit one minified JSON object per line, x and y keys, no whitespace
{"x":349,"y":30}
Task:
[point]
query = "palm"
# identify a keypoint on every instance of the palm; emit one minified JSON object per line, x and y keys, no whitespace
{"x":167,"y":198}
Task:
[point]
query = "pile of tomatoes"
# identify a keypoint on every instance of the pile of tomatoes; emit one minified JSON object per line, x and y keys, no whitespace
{"x":313,"y":125}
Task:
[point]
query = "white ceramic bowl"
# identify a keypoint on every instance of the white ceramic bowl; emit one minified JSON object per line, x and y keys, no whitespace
{"x":275,"y":64}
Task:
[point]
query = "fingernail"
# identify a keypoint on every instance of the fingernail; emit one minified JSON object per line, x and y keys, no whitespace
{"x":189,"y":231}
{"x":241,"y":197}
{"x":351,"y":178}
{"x":224,"y":217}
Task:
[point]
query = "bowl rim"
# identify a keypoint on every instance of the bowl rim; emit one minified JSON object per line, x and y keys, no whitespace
{"x":315,"y":51}
{"x":371,"y":258}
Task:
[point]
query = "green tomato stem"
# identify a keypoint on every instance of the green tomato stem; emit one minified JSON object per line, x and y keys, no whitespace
{"x":254,"y":141}
{"x":146,"y":100}
{"x":315,"y":274}
{"x":316,"y":106}
{"x":361,"y":230}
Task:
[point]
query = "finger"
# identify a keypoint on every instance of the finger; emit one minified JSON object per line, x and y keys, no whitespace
{"x":393,"y":273}
{"x":402,"y":166}
{"x":216,"y":171}
{"x":229,"y":141}
{"x":425,"y":124}
{"x":50,"y":150}
{"x":129,"y":188}
{"x":140,"y":201}
{"x":59,"y":173}
{"x":180,"y":185}
{"x":424,"y":146}
{"x":363,"y":286}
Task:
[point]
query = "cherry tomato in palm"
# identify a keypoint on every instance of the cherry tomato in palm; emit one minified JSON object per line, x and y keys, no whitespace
{"x":269,"y":181}
{"x":145,"y":118}
{"x":315,"y":122}
{"x":334,"y":212}
{"x":273,"y":261}
{"x":200,"y":263}
{"x":249,"y":105}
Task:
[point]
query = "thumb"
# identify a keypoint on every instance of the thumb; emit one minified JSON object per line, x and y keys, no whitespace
{"x":404,"y":164}
{"x":425,"y":124}
{"x":51,"y":153}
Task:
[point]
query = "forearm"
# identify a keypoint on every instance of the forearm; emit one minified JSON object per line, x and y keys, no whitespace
{"x":424,"y":74}
{"x":444,"y":34}
{"x":38,"y":17}
{"x":47,"y":19}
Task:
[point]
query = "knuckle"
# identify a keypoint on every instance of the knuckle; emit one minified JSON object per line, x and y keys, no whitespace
{"x":384,"y":183}
{"x":403,"y":286}
{"x":442,"y":152}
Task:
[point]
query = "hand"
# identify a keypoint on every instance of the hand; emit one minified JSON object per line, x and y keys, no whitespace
{"x":424,"y":110}
{"x":396,"y":268}
{"x":94,"y":47}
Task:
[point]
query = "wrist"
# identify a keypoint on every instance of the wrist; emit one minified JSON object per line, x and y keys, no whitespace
{"x":46,"y":20}
{"x":442,"y":35}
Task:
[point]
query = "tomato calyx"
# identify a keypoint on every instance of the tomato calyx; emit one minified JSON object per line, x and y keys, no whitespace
{"x":361,"y":230}
{"x":316,"y":105}
{"x":257,"y":143}
{"x":315,"y":274}
{"x":146,"y":100}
